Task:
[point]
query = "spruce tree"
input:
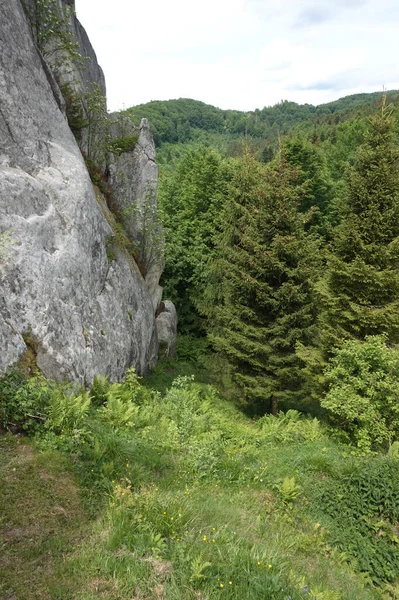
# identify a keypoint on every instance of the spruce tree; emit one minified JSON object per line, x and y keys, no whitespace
{"x":190,"y":199}
{"x":262,"y":303}
{"x":360,"y":292}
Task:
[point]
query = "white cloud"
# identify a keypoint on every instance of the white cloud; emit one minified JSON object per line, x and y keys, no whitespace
{"x":242,"y":54}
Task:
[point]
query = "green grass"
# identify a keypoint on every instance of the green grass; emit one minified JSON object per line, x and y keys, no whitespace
{"x":196,"y":501}
{"x":41,"y":519}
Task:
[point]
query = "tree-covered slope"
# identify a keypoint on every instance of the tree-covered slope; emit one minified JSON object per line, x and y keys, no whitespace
{"x":184,"y":119}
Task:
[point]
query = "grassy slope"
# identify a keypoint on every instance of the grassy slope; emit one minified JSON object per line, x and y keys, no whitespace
{"x":194,"y":502}
{"x":41,"y":520}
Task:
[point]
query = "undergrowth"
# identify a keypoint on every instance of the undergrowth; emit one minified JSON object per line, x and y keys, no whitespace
{"x":191,"y":499}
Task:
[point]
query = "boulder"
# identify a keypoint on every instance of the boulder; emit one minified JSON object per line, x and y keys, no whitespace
{"x":167,"y":329}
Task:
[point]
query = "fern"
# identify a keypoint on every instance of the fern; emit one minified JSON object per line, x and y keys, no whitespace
{"x":119,"y":409}
{"x":288,"y":489}
{"x":67,"y":412}
{"x":99,"y":389}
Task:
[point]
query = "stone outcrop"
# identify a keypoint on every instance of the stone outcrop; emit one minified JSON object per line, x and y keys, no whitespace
{"x":167,"y":329}
{"x":134,"y":179}
{"x":86,"y":315}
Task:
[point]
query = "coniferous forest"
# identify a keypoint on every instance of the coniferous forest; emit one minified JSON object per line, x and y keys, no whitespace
{"x":262,"y":462}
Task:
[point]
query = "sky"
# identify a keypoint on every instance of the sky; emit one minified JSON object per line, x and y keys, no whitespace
{"x":243,"y":54}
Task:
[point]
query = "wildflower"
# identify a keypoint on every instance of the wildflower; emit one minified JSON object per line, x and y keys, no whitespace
{"x":230,"y":583}
{"x":259,"y":564}
{"x":270,"y":566}
{"x":221,"y":585}
{"x":204,"y":538}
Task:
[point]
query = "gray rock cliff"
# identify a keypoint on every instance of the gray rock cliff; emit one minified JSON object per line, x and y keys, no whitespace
{"x":134,"y":178}
{"x":86,"y":315}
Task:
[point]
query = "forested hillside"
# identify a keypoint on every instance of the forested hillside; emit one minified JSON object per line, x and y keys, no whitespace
{"x":185,"y":120}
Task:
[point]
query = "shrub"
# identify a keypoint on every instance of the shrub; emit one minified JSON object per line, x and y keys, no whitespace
{"x":23,"y":402}
{"x":364,"y":391}
{"x":123,"y":144}
{"x":363,"y":506}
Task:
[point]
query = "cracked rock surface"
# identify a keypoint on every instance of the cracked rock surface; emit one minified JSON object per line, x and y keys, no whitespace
{"x":57,"y":287}
{"x":134,"y":178}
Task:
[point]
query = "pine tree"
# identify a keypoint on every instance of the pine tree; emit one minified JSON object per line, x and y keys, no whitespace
{"x":262,"y":303}
{"x":360,"y":292}
{"x":190,"y":199}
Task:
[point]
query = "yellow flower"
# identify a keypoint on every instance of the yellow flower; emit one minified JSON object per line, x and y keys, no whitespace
{"x":230,"y":583}
{"x":221,"y":585}
{"x":270,"y":566}
{"x":204,"y":538}
{"x":259,"y":564}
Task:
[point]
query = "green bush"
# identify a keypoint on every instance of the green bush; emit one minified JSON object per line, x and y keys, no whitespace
{"x":123,"y":144}
{"x":364,"y":392}
{"x":363,"y":506}
{"x":23,"y":402}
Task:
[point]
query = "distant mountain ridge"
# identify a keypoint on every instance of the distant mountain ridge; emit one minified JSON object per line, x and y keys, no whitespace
{"x":184,"y":119}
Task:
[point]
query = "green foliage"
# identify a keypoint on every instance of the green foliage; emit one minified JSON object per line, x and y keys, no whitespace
{"x":193,"y":496}
{"x":290,"y":427}
{"x":118,"y":410}
{"x":313,"y":176}
{"x":361,"y":286}
{"x":123,"y":144}
{"x":118,"y":407}
{"x":363,"y":391}
{"x":288,"y":490}
{"x":99,"y":390}
{"x":191,"y":200}
{"x":184,"y":120}
{"x":52,"y":32}
{"x":259,"y":296}
{"x":77,"y":120}
{"x":363,"y":507}
{"x":67,"y":411}
{"x":97,"y":134}
{"x":23,"y":402}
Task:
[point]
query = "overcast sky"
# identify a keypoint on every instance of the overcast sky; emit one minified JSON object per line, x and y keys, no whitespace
{"x":243,"y":54}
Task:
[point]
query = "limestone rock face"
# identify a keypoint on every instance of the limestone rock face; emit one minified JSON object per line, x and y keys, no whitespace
{"x":134,"y":178}
{"x":167,"y":329}
{"x":57,"y":287}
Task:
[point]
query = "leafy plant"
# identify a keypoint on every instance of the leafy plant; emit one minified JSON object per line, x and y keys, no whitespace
{"x":364,"y":391}
{"x":99,"y":389}
{"x":67,"y":410}
{"x":52,"y":32}
{"x":123,"y":144}
{"x":288,"y":490}
{"x":23,"y":402}
{"x":119,"y":409}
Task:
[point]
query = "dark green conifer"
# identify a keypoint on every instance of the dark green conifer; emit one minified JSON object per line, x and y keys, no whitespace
{"x":262,"y":303}
{"x":361,"y":289}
